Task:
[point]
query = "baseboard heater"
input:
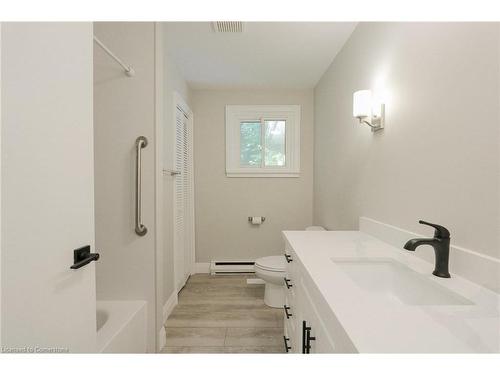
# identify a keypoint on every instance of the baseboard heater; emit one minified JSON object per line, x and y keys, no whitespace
{"x":220,"y":267}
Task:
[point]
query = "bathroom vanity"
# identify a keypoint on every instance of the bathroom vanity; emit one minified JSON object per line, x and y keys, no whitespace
{"x":349,"y":292}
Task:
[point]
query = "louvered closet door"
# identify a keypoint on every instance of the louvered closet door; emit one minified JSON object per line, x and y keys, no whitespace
{"x":183,"y":188}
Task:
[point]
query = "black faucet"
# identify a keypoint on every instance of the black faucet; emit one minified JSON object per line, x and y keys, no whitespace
{"x":441,"y":245}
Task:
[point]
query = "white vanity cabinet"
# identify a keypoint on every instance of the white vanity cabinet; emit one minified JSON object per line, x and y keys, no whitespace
{"x":306,"y":330}
{"x":350,"y":292}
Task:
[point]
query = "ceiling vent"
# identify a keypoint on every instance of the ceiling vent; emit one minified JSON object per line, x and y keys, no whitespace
{"x":227,"y":26}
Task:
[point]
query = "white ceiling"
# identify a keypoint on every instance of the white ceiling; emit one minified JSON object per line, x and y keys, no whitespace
{"x":264,"y":55}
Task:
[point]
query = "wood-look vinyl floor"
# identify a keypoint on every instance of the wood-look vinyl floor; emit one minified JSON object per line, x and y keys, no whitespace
{"x":223,"y":314}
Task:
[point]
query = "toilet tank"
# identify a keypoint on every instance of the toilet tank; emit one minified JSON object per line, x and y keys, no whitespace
{"x":315,"y":228}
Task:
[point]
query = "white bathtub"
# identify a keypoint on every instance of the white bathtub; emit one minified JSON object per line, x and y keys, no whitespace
{"x":121,"y":326}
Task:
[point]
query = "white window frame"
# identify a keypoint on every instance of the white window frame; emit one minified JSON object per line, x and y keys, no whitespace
{"x":235,"y":114}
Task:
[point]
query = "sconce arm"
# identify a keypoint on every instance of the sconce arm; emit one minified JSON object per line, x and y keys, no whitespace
{"x":368,"y":123}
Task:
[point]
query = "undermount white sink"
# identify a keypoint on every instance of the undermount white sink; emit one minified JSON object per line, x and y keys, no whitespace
{"x":393,"y":280}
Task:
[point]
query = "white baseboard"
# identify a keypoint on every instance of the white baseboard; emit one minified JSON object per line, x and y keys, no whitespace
{"x":162,"y":338}
{"x":167,"y":310}
{"x":479,"y":268}
{"x":202,"y":267}
{"x":169,"y":306}
{"x":255,"y":281}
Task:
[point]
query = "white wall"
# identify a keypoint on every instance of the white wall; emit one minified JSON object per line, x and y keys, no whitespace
{"x":124,"y":108}
{"x":223,"y":204}
{"x":172,"y":82}
{"x":437,"y":159}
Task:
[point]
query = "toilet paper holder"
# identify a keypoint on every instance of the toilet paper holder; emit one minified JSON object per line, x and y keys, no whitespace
{"x":262,"y":218}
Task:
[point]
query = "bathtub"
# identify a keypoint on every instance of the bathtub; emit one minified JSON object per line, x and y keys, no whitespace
{"x":121,"y":326}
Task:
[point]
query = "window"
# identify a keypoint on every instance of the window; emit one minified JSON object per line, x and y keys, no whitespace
{"x":263,"y":140}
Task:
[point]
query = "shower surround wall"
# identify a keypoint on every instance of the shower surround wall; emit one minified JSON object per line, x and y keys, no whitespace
{"x":124,"y":108}
{"x":223,"y":204}
{"x":438,"y":158}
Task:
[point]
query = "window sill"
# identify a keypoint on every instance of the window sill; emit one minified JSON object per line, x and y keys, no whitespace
{"x":261,"y":175}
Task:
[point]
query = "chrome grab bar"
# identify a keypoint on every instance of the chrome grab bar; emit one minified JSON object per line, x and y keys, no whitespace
{"x":140,"y":228}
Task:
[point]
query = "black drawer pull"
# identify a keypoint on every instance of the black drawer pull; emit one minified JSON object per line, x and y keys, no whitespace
{"x":288,"y":286}
{"x":288,"y":258}
{"x":287,"y":348}
{"x":304,"y":326}
{"x":309,"y":338}
{"x":288,"y":315}
{"x":306,"y":338}
{"x":82,"y":257}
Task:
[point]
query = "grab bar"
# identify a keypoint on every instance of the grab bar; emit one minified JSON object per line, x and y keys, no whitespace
{"x":140,"y":228}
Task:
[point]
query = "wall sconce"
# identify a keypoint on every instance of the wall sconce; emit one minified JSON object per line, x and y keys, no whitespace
{"x":367,"y":110}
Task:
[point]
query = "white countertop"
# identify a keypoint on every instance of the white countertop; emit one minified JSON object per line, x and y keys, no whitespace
{"x":375,"y":324}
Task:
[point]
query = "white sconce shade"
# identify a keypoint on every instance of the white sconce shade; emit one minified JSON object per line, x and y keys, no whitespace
{"x":367,"y":110}
{"x":362,"y":104}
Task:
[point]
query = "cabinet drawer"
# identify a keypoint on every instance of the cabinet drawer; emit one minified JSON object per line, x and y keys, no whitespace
{"x":290,"y":289}
{"x":321,"y":342}
{"x":289,"y":339}
{"x":289,"y":254}
{"x":289,"y":318}
{"x":293,"y":268}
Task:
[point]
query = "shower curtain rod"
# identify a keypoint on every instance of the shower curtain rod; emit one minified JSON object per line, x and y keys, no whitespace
{"x":128,"y":69}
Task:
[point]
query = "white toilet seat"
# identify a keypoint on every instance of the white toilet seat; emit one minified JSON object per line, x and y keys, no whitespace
{"x":274,"y":263}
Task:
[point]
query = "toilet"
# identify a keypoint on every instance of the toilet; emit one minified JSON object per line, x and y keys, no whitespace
{"x":271,"y":269}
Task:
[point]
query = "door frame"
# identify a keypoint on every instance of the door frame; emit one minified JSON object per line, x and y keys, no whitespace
{"x":178,"y":101}
{"x":160,"y":334}
{"x":0,"y":184}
